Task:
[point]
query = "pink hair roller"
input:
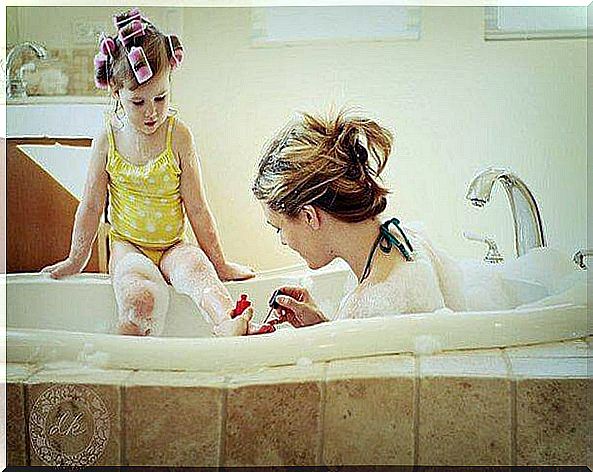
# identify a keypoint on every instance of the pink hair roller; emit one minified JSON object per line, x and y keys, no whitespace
{"x":100,"y":61}
{"x":122,"y":19}
{"x":177,"y":54}
{"x":137,"y":30}
{"x":107,"y":45}
{"x":139,"y":64}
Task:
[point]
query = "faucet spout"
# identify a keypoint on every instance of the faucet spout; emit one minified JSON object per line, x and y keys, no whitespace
{"x":15,"y":87}
{"x":527,"y":221}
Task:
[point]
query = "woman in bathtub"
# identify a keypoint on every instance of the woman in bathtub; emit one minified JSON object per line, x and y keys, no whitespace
{"x":318,"y":182}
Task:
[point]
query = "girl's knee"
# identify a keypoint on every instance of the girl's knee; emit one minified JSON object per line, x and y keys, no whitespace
{"x":141,"y":293}
{"x":138,"y":265}
{"x":188,"y":258}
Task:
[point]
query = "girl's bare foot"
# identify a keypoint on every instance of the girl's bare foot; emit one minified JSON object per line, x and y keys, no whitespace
{"x":234,"y":326}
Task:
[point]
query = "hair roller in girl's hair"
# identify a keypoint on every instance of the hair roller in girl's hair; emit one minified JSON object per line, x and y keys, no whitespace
{"x":175,"y":51}
{"x":122,"y":19}
{"x":106,"y":45}
{"x":100,"y":61}
{"x":139,"y":64}
{"x":136,"y":28}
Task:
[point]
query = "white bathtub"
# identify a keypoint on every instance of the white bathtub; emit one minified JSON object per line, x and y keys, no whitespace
{"x":70,"y":321}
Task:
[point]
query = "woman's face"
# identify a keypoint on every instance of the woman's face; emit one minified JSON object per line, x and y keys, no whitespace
{"x":303,"y":234}
{"x":146,"y":107}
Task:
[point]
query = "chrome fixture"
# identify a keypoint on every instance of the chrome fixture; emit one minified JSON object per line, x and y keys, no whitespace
{"x":529,"y":231}
{"x":579,"y":257}
{"x":15,"y":86}
{"x":493,"y":256}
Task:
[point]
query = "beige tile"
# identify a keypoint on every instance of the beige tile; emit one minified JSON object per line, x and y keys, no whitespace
{"x":576,"y":348}
{"x":464,"y":421}
{"x":480,"y":363}
{"x":549,"y":367}
{"x":172,"y":425}
{"x":369,"y":421}
{"x":16,"y":440}
{"x":551,"y":424}
{"x":80,"y":422}
{"x":371,"y":367}
{"x":273,"y":423}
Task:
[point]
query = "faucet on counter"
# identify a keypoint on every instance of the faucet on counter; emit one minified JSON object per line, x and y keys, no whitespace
{"x":16,"y":87}
{"x":529,"y":232}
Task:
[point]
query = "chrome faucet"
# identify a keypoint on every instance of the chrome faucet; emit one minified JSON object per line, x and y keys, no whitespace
{"x":16,"y":87}
{"x":529,"y":231}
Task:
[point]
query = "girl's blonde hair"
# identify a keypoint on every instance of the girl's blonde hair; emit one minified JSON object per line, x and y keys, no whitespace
{"x":332,"y":163}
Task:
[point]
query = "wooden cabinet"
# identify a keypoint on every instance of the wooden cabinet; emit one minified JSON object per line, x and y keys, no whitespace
{"x":40,"y":212}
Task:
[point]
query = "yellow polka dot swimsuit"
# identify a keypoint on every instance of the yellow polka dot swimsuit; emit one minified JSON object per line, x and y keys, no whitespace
{"x":145,"y":206}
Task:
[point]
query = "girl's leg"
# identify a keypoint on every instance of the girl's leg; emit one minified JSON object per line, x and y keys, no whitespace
{"x":141,"y":293}
{"x":191,"y":273}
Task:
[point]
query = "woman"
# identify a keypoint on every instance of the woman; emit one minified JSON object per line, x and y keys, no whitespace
{"x":318,"y":182}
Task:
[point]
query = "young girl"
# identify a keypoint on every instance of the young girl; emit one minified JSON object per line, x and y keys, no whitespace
{"x":148,"y":167}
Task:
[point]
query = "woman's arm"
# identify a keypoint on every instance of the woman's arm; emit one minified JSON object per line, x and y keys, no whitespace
{"x":88,"y":213}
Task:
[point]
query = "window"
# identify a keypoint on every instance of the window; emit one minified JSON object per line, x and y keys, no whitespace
{"x":281,"y":25}
{"x":502,"y":23}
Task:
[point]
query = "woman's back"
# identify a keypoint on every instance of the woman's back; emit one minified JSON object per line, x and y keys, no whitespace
{"x":430,"y":282}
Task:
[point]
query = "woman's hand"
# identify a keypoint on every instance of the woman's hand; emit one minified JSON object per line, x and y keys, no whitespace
{"x":64,"y":268}
{"x":234,"y":271}
{"x":298,"y":306}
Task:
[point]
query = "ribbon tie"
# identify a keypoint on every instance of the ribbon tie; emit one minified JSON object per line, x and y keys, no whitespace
{"x":386,"y":240}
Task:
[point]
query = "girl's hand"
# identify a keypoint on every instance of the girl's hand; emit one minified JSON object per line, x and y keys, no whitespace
{"x":63,"y":268}
{"x":299,"y":307}
{"x":233,"y":271}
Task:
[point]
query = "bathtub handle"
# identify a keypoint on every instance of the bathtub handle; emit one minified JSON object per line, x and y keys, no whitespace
{"x":493,"y":256}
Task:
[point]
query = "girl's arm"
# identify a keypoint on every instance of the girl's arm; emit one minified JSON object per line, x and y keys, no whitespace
{"x":88,"y":214}
{"x":197,"y":208}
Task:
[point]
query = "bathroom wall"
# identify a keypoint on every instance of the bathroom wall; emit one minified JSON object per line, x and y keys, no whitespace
{"x":456,"y":102}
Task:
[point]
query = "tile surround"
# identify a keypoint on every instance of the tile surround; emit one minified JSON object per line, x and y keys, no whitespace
{"x":273,"y":417}
{"x":551,"y":424}
{"x":369,"y":411}
{"x":174,"y":425}
{"x":519,"y":406}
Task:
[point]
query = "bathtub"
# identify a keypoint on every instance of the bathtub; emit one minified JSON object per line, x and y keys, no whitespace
{"x":72,"y":321}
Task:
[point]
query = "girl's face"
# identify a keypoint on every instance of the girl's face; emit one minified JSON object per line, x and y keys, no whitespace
{"x":146,"y":107}
{"x":303,"y":234}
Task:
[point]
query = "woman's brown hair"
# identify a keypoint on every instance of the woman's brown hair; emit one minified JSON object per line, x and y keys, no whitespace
{"x":332,"y":163}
